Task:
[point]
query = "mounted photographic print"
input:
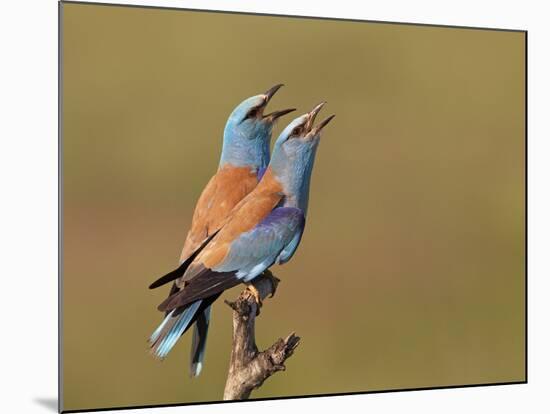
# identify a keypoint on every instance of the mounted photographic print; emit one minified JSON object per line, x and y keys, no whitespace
{"x":259,"y":206}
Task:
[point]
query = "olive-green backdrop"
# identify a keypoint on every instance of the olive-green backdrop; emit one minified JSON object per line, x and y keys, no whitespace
{"x":411,"y":269}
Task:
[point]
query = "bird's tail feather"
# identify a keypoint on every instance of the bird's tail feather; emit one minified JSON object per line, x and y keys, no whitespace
{"x":172,"y":327}
{"x":198,"y":346}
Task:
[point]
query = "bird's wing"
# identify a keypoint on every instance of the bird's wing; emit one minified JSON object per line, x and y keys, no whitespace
{"x":180,"y":270}
{"x":259,"y":247}
{"x":222,"y":193}
{"x":290,"y":248}
{"x":246,"y":257}
{"x":248,"y":213}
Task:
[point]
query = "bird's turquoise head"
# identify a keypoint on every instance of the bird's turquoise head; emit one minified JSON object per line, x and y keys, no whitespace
{"x":294,"y":155}
{"x":247,"y":133}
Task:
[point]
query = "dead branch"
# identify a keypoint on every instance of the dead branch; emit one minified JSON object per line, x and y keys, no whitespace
{"x":249,"y":368}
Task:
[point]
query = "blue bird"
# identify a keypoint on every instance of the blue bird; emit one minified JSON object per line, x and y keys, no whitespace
{"x":264,"y":228}
{"x":244,"y":157}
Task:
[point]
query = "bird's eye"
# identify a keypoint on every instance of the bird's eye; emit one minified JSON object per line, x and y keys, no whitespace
{"x":252,"y":113}
{"x":297,"y":131}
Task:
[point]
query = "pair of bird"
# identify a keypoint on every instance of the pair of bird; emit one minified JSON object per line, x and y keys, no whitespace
{"x":250,"y":216}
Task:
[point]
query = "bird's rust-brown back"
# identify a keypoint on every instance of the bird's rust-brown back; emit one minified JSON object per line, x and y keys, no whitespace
{"x":222,"y":193}
{"x":245,"y":216}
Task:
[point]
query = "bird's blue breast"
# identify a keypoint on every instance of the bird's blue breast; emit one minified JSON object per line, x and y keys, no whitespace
{"x":255,"y":250}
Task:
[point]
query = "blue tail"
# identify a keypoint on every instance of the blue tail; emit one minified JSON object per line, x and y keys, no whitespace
{"x":169,"y":331}
{"x":198,"y":346}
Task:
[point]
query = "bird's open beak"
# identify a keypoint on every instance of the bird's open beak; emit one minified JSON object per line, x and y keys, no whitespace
{"x":314,"y":130}
{"x":321,"y":125}
{"x":267,"y":97}
{"x":312,"y":115}
{"x":272,"y":91}
{"x":277,"y":114}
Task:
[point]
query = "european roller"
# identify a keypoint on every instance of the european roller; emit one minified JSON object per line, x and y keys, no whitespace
{"x":244,"y":157}
{"x":264,"y":228}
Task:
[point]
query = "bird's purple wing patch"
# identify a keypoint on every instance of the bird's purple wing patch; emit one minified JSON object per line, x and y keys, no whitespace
{"x":261,"y":172}
{"x":254,"y":251}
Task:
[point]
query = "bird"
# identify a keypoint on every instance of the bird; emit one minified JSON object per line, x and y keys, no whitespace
{"x":264,"y":228}
{"x":244,"y":157}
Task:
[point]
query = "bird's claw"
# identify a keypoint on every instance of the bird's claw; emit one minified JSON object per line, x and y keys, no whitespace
{"x":257,"y":298}
{"x":256,"y":293}
{"x":274,"y":281}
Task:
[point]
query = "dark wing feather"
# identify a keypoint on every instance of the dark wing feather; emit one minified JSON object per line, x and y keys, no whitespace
{"x":174,"y":274}
{"x":205,"y":284}
{"x":249,"y":254}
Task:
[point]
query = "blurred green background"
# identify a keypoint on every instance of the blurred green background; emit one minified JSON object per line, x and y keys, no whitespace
{"x":412,"y":264}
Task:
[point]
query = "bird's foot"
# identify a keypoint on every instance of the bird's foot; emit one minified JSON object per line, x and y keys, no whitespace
{"x":274,"y":281}
{"x":256,"y":294}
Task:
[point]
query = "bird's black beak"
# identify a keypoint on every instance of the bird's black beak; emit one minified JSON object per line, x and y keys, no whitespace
{"x":277,"y":114}
{"x":314,"y":130}
{"x":312,"y":115}
{"x":267,"y":97}
{"x":272,"y":91}
{"x":322,"y":124}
